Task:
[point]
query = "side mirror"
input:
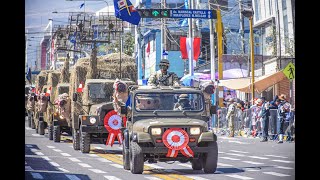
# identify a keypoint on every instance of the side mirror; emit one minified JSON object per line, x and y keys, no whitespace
{"x":123,"y":110}
{"x":74,"y":97}
{"x":213,"y":110}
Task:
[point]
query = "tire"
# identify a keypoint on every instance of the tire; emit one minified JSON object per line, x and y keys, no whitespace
{"x":210,"y":159}
{"x":56,"y":134}
{"x":125,"y":157}
{"x":196,"y":164}
{"x":41,"y":127}
{"x":50,"y":132}
{"x":136,"y":158}
{"x":85,"y":142}
{"x":75,"y":139}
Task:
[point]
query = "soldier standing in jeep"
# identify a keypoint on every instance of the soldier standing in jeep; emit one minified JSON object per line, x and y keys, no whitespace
{"x":163,"y":77}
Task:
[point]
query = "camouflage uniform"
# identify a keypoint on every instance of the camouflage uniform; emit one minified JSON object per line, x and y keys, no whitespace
{"x":231,"y":116}
{"x":169,"y":79}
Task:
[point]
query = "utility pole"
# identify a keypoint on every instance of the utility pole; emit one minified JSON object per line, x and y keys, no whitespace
{"x":191,"y":53}
{"x":220,"y":52}
{"x":279,"y":61}
{"x":163,"y":33}
{"x":252,"y":56}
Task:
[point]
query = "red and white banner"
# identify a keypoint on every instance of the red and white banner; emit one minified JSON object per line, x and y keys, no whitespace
{"x":112,"y":122}
{"x":176,"y":139}
{"x":80,"y":88}
{"x":185,"y":47}
{"x":148,"y":49}
{"x":48,"y":93}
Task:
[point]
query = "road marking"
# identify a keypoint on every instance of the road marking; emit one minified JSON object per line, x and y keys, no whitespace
{"x":54,"y":164}
{"x":35,"y":134}
{"x":257,"y":157}
{"x":239,"y":177}
{"x":111,"y":177}
{"x":28,"y":168}
{"x":74,"y":159}
{"x":93,"y":155}
{"x":283,"y":161}
{"x":39,"y":153}
{"x":57,"y":150}
{"x":241,"y":155}
{"x":276,"y":156}
{"x":33,"y":150}
{"x":221,"y":164}
{"x":29,"y":145}
{"x":282,"y":167}
{"x":276,"y":174}
{"x":234,"y":159}
{"x":25,"y":162}
{"x":46,"y":158}
{"x":239,"y":142}
{"x":154,"y":166}
{"x":250,"y":169}
{"x":251,"y":162}
{"x":27,"y":128}
{"x":84,"y":165}
{"x":152,"y":178}
{"x":218,"y":172}
{"x":97,"y":170}
{"x":220,"y":152}
{"x":238,"y":151}
{"x":65,"y":154}
{"x":186,"y":165}
{"x":103,"y":160}
{"x":196,"y":177}
{"x":116,"y":165}
{"x":64,"y":170}
{"x":36,"y":175}
{"x":51,"y":147}
{"x":72,"y":177}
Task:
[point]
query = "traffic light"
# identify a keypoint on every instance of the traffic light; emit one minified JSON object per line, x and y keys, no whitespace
{"x":154,"y":13}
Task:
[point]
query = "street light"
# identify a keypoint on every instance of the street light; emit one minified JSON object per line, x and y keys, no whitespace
{"x":249,"y":14}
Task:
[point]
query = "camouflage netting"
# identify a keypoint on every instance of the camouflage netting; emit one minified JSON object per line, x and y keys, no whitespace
{"x":41,"y":79}
{"x":65,"y":75}
{"x":53,"y":80}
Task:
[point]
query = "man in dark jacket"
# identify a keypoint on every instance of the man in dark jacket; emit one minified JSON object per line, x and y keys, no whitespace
{"x":265,"y":113}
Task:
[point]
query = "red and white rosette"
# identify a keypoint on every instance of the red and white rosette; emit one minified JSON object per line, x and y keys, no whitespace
{"x":112,"y":122}
{"x":176,"y":139}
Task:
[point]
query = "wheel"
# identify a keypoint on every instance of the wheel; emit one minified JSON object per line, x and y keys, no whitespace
{"x":56,"y":134}
{"x":125,"y":157}
{"x":210,"y":159}
{"x":85,"y":142}
{"x":76,"y":139}
{"x":136,"y":158}
{"x":196,"y":164}
{"x":50,"y":132}
{"x":41,"y":127}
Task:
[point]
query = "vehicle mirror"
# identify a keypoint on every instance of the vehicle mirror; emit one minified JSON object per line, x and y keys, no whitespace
{"x":213,"y":110}
{"x":74,"y":97}
{"x":123,"y":110}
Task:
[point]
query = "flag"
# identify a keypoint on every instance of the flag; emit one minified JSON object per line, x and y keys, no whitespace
{"x":148,"y":49}
{"x":185,"y":47}
{"x":124,"y":10}
{"x":28,"y":76}
{"x":81,"y":5}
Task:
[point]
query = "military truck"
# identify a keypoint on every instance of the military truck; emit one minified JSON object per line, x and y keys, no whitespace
{"x":157,"y":130}
{"x":96,"y":102}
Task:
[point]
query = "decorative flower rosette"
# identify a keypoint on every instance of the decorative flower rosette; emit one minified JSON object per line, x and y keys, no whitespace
{"x":176,"y":139}
{"x":113,"y":122}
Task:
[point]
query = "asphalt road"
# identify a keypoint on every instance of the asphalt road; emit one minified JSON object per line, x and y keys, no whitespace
{"x":239,"y":158}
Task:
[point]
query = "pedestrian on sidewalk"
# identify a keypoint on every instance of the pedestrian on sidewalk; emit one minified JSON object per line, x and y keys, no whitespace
{"x":265,"y":113}
{"x":283,"y":106}
{"x":231,"y":116}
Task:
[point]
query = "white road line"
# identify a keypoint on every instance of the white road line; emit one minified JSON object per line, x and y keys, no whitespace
{"x":28,"y":145}
{"x":250,"y":169}
{"x":103,"y":160}
{"x":74,"y":159}
{"x":276,"y":174}
{"x":71,"y":146}
{"x":186,"y":165}
{"x":72,"y":177}
{"x":84,"y":165}
{"x":35,"y":134}
{"x":257,"y":157}
{"x":239,"y":151}
{"x":25,"y":162}
{"x":46,"y":158}
{"x":111,"y":177}
{"x":51,"y":147}
{"x":39,"y":153}
{"x":117,"y":165}
{"x":234,"y":159}
{"x":65,"y":154}
{"x":239,"y":177}
{"x":57,"y":150}
{"x":251,"y":162}
{"x":221,"y":164}
{"x":276,"y":156}
{"x":64,"y":170}
{"x":283,"y":161}
{"x":97,"y":170}
{"x":239,"y":142}
{"x":28,"y":168}
{"x":98,"y":147}
{"x":241,"y":155}
{"x":54,"y":164}
{"x":220,"y":152}
{"x":33,"y":150}
{"x":152,"y":178}
{"x":93,"y":155}
{"x":282,"y":167}
{"x":36,"y":175}
{"x":154,"y":166}
{"x":196,"y":177}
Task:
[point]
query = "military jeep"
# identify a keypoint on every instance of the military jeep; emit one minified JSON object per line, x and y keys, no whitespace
{"x":157,"y":130}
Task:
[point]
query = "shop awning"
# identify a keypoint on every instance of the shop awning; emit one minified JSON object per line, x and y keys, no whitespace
{"x":261,"y":83}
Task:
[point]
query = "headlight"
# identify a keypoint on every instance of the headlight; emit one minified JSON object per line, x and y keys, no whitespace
{"x":93,"y":120}
{"x":195,"y":131}
{"x":155,"y":131}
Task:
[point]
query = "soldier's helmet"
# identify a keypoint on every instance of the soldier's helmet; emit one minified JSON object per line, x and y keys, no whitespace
{"x":164,"y":62}
{"x":183,"y":97}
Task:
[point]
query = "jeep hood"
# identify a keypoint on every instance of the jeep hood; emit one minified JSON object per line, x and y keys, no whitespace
{"x":93,"y":108}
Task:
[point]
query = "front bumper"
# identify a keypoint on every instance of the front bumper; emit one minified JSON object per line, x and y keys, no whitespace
{"x":160,"y":150}
{"x":93,"y":129}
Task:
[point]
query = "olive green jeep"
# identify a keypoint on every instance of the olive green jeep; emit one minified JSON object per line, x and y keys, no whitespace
{"x":168,"y":124}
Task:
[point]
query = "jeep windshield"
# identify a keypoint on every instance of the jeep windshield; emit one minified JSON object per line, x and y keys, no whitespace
{"x":174,"y":102}
{"x":97,"y":91}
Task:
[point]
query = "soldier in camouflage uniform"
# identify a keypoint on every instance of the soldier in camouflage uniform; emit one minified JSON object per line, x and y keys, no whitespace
{"x":163,"y":77}
{"x":231,"y":116}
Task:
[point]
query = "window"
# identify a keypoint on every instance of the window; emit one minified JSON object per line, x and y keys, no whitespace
{"x":284,"y":5}
{"x":286,"y":34}
{"x":270,"y":8}
{"x":257,"y":9}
